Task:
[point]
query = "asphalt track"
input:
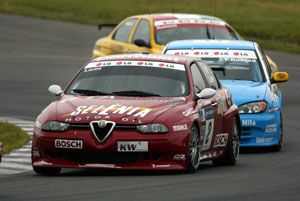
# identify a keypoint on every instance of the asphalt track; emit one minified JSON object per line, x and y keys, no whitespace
{"x":36,"y":53}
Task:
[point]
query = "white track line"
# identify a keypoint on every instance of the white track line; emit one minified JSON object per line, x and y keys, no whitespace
{"x":19,"y":160}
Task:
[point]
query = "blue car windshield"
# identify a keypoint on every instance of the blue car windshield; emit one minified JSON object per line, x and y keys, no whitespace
{"x":236,"y":69}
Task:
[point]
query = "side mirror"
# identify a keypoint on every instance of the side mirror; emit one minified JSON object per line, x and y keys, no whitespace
{"x":278,"y":77}
{"x":206,"y":93}
{"x":141,"y":43}
{"x":55,"y":89}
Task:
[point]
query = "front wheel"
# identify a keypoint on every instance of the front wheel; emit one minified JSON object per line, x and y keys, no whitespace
{"x":231,"y":154}
{"x":46,"y":170}
{"x":194,"y":150}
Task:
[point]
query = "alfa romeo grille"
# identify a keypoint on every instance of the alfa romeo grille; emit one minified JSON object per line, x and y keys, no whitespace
{"x":102,"y":129}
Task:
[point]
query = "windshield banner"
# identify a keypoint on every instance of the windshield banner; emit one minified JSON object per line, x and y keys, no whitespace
{"x":154,"y":64}
{"x":164,"y":24}
{"x":209,"y":53}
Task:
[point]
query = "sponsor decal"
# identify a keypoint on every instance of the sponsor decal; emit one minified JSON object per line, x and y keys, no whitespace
{"x":38,"y":124}
{"x":271,"y":128}
{"x":112,"y":109}
{"x":98,"y":117}
{"x":99,"y":165}
{"x":240,"y":60}
{"x":209,"y":53}
{"x":36,"y":154}
{"x":133,"y":146}
{"x":262,"y":140}
{"x":155,"y":64}
{"x":188,"y":112}
{"x":204,"y":156}
{"x":179,"y":157}
{"x":273,"y":92}
{"x":248,"y":122}
{"x":169,"y":23}
{"x":180,"y":127}
{"x":209,"y":128}
{"x":221,"y":140}
{"x":274,"y":109}
{"x":68,"y":144}
{"x":202,"y":132}
{"x":202,"y":115}
{"x":222,"y":107}
{"x":160,"y":166}
{"x":228,"y":97}
{"x":42,"y":163}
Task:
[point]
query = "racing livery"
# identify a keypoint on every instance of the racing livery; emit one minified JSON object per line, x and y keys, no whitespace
{"x":243,"y":68}
{"x":137,"y":112}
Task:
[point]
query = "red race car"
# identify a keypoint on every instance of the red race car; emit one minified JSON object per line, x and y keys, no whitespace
{"x":160,"y":112}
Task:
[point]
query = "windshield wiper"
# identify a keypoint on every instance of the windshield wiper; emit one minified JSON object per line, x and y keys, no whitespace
{"x":134,"y":93}
{"x":90,"y":92}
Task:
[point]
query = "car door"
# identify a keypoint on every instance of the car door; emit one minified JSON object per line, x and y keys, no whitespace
{"x":208,"y":109}
{"x":120,"y":38}
{"x":219,"y":101}
{"x":141,"y":33}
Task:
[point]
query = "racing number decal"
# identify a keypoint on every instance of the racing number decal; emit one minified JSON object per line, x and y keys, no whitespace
{"x":209,"y":128}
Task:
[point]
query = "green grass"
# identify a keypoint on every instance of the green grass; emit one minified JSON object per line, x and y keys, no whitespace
{"x":273,"y":23}
{"x":12,"y":136}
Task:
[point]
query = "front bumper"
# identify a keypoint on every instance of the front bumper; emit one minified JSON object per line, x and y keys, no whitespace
{"x":162,"y":154}
{"x":260,"y":130}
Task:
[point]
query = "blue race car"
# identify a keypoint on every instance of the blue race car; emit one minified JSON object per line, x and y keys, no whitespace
{"x":243,"y":68}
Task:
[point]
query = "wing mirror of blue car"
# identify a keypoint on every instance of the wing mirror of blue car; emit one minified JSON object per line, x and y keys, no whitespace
{"x":279,"y":77}
{"x":55,"y":89}
{"x":206,"y":93}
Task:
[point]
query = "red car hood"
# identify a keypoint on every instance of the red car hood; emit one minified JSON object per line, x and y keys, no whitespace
{"x":123,"y":110}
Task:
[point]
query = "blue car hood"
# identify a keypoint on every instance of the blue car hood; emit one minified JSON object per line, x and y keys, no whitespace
{"x":245,"y":91}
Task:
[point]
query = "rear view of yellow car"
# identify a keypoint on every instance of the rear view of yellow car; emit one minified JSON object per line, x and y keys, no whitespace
{"x":150,"y":33}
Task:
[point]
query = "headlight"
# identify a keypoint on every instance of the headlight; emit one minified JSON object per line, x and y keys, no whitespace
{"x":55,"y":126}
{"x":152,"y":128}
{"x":254,"y":107}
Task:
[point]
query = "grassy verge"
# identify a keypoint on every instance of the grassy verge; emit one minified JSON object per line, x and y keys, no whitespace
{"x":273,"y":23}
{"x":12,"y":136}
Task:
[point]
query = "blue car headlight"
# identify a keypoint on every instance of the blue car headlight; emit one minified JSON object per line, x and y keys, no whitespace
{"x":55,"y":126}
{"x":253,"y":107}
{"x":152,"y":128}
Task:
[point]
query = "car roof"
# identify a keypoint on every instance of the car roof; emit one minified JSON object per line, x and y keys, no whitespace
{"x":170,"y":16}
{"x":211,"y":44}
{"x":147,"y":57}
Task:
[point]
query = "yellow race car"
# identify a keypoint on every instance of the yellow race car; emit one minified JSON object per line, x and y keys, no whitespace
{"x":150,"y":33}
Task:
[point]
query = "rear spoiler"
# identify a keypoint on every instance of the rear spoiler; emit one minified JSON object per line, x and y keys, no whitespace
{"x":219,"y":69}
{"x":105,"y":25}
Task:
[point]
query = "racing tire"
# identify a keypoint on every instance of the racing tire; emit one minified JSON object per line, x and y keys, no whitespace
{"x":278,"y":147}
{"x":193,"y":158}
{"x":231,"y":154}
{"x":46,"y":170}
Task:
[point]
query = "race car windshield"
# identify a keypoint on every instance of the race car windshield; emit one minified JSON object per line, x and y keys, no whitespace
{"x":131,"y":81}
{"x":236,"y":69}
{"x":163,"y":36}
